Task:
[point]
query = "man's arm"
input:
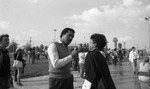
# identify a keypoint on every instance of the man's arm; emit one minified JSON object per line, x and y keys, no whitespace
{"x":1,"y":57}
{"x":54,"y":57}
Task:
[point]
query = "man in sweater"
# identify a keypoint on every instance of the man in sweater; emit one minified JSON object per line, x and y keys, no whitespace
{"x":60,"y":58}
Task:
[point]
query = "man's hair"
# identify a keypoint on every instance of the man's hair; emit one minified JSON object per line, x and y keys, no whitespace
{"x":133,"y":47}
{"x":2,"y":36}
{"x":66,"y":30}
{"x":100,"y":40}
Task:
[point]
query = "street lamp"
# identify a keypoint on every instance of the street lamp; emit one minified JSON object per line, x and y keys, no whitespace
{"x":148,"y":19}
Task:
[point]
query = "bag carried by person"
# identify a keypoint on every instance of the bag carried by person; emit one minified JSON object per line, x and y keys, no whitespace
{"x":17,"y":64}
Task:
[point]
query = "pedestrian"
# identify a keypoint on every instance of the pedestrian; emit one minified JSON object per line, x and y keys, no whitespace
{"x":120,"y":53}
{"x":60,"y":58}
{"x":97,"y":74}
{"x":133,"y":56}
{"x":5,"y":72}
{"x":82,"y":56}
{"x":18,"y":56}
{"x":38,"y":55}
{"x":29,"y":54}
{"x":115,"y":56}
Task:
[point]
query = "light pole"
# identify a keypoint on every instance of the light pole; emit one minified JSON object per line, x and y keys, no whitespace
{"x":30,"y":41}
{"x":124,"y":43}
{"x":148,"y":19}
{"x":54,"y":34}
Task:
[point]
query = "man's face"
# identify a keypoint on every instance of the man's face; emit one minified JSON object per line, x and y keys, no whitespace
{"x":133,"y":49}
{"x":120,"y":46}
{"x":5,"y":42}
{"x":68,"y":37}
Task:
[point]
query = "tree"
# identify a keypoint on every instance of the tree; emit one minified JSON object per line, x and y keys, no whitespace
{"x":13,"y":46}
{"x":46,"y":47}
{"x":115,"y":40}
{"x":41,"y":48}
{"x":27,"y":46}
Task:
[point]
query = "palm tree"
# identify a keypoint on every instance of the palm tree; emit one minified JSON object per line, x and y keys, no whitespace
{"x":115,"y":40}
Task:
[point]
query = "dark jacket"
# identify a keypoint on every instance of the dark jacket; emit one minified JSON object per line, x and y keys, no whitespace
{"x":5,"y":66}
{"x":96,"y":69}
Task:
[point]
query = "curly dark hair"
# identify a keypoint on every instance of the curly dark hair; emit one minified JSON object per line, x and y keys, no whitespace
{"x":100,"y":40}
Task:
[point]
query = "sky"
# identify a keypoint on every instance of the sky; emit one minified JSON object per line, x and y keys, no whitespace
{"x":37,"y":19}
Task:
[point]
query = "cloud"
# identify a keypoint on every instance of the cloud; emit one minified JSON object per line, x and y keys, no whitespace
{"x":34,"y":32}
{"x":124,"y":20}
{"x":24,"y":36}
{"x":4,"y":24}
{"x":125,"y":14}
{"x":33,"y":1}
{"x":125,"y":39}
{"x":148,"y":8}
{"x":131,"y":2}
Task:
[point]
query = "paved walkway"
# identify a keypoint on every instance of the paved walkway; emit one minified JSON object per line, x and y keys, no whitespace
{"x":122,"y":76}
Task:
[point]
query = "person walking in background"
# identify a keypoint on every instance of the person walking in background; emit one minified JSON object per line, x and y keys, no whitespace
{"x":18,"y":69}
{"x":97,"y":74}
{"x":5,"y":72}
{"x":133,"y":56}
{"x":82,"y":56}
{"x":115,"y":54}
{"x":120,"y":53}
{"x":60,"y":58}
{"x":29,"y":56}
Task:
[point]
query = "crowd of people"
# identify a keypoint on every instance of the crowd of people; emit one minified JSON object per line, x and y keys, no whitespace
{"x":90,"y":60}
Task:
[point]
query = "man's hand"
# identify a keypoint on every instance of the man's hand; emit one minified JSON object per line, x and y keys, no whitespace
{"x":74,"y":53}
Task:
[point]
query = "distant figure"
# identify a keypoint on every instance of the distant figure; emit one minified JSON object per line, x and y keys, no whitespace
{"x":5,"y":71}
{"x":33,"y":55}
{"x":29,"y":56}
{"x":60,"y":58}
{"x":144,"y":70}
{"x":115,"y":54}
{"x":18,"y":70}
{"x":82,"y":56}
{"x":38,"y":55}
{"x":120,"y":53}
{"x":97,"y":74}
{"x":133,"y":56}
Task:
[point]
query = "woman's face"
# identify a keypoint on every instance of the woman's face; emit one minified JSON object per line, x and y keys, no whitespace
{"x":92,"y":45}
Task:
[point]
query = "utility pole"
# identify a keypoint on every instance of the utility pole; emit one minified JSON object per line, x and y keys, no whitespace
{"x":124,"y":43}
{"x":84,"y":40}
{"x":148,"y":19}
{"x":30,"y":41}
